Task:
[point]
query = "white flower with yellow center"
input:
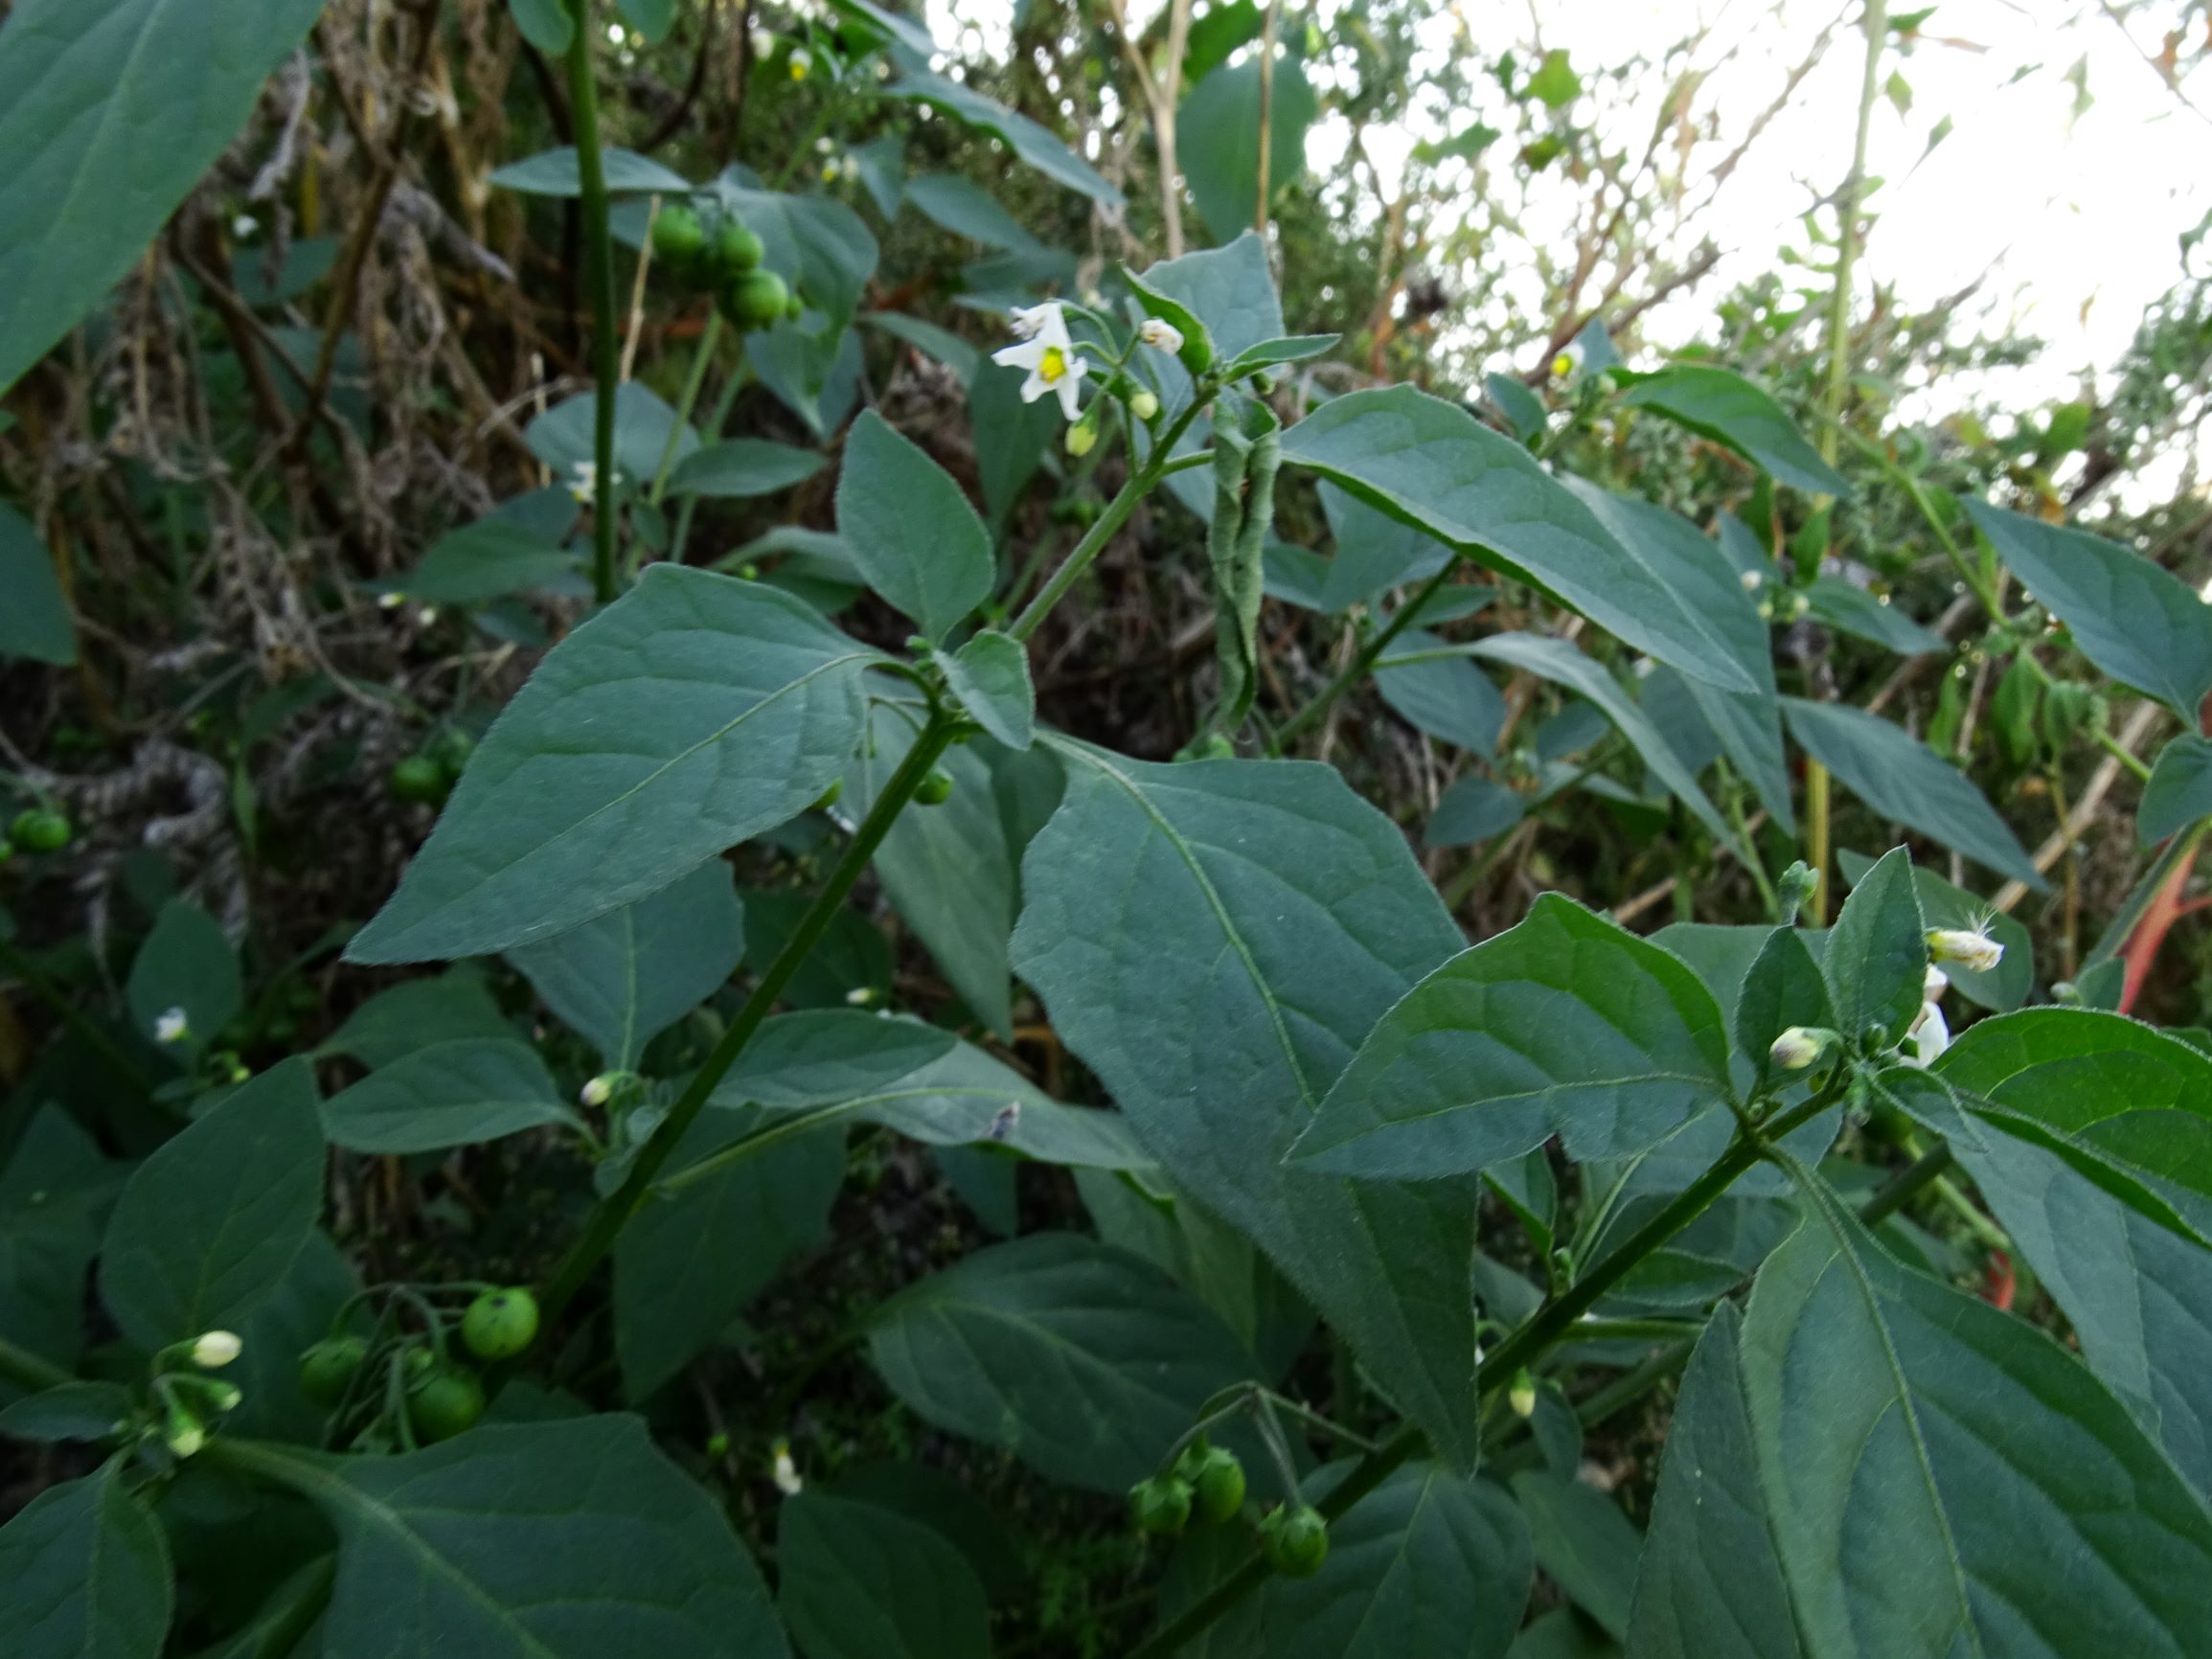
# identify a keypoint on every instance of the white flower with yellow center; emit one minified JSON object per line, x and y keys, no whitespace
{"x":1050,"y":357}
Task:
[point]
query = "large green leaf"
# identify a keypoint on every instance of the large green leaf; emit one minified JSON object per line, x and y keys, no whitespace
{"x":694,"y":711}
{"x":1080,"y":1360}
{"x":53,"y":1192}
{"x":911,"y":531}
{"x":1563,"y":1025}
{"x":109,"y":113}
{"x":1583,"y":1542}
{"x":1229,"y":290}
{"x":1903,"y":778}
{"x":1940,"y":1478}
{"x":989,"y":679}
{"x":513,"y":549}
{"x":1028,"y":141}
{"x":1436,"y":689}
{"x":84,"y":1573}
{"x":559,"y":1540}
{"x":738,"y":467}
{"x":2179,"y":792}
{"x":35,"y":620}
{"x":416,"y":1013}
{"x":857,"y":1580}
{"x":2135,"y":620}
{"x":1848,"y":608}
{"x":965,"y":209}
{"x":1218,"y":140}
{"x":1374,"y":552}
{"x":2000,"y":988}
{"x":1876,"y":958}
{"x":186,"y":964}
{"x":1434,"y":465}
{"x":211,"y":1223}
{"x":622,"y":978}
{"x":1217,"y":993}
{"x":1722,"y":405}
{"x":554,"y":172}
{"x":448,"y":1094}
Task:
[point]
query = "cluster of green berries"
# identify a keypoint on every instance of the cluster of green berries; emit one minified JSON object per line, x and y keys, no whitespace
{"x":1208,"y":1482}
{"x":443,"y":1395}
{"x":723,"y":257}
{"x":35,"y":830}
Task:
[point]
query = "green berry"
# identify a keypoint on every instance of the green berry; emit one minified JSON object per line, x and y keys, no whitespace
{"x":679,"y":238}
{"x":935,"y":789}
{"x":1295,"y":1541}
{"x":443,"y":1401}
{"x":756,"y":298}
{"x":500,"y":1323}
{"x":40,"y":830}
{"x":451,"y":749}
{"x":328,"y":1368}
{"x":419,"y":778}
{"x":736,"y":249}
{"x":1160,"y":1506}
{"x":794,"y":307}
{"x":1220,"y":1486}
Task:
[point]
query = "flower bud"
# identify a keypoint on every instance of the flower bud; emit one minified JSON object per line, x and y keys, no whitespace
{"x":1521,"y":1395}
{"x":1144,"y":406}
{"x":1970,"y":947}
{"x":1165,"y":336}
{"x":1082,"y":438}
{"x":214,"y":1350}
{"x":172,"y":1027}
{"x":599,"y":1091}
{"x":1798,"y":1047}
{"x":786,"y":1473}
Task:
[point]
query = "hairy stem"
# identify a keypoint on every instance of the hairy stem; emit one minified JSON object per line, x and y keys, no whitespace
{"x":599,"y":258}
{"x":701,"y":359}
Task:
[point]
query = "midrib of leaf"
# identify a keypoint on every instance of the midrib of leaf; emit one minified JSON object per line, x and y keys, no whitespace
{"x":313,"y":1481}
{"x":625,"y":1058}
{"x":789,"y":1124}
{"x":203,"y":1280}
{"x":95,"y":1561}
{"x":1077,"y":1358}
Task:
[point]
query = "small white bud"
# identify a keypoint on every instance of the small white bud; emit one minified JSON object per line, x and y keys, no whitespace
{"x":1797,"y":1048}
{"x":1082,"y":438}
{"x":392,"y":601}
{"x":597,"y":1092}
{"x":1752,"y":581}
{"x":184,"y":1436}
{"x":172,"y":1027}
{"x":860,"y":995}
{"x":1970,"y":947}
{"x":1144,"y":406}
{"x":1163,"y":335}
{"x":786,"y":1473}
{"x":214,"y":1350}
{"x":1521,"y":1396}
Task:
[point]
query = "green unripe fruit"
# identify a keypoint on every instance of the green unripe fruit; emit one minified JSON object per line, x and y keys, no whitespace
{"x":451,"y":750}
{"x":678,"y":237}
{"x":1219,"y":1486}
{"x":756,"y":299}
{"x":328,"y":1368}
{"x":1160,"y":1506}
{"x":794,"y":307}
{"x":500,"y":1323}
{"x":1294,"y":1541}
{"x":419,"y":778}
{"x":736,"y":249}
{"x":40,"y":830}
{"x":443,"y":1401}
{"x":935,"y":789}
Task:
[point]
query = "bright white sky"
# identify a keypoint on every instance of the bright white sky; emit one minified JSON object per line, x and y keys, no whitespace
{"x":2077,"y":220}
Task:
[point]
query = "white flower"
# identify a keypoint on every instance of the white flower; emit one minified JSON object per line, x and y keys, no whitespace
{"x":1931,"y":1034}
{"x":1970,"y":947}
{"x":787,"y":1481}
{"x":214,"y":1350}
{"x":1027,"y":321}
{"x":1933,"y":983}
{"x":1797,"y":1048}
{"x":1050,"y":356}
{"x":1165,"y":336}
{"x":1752,"y":581}
{"x":427,"y":615}
{"x":584,"y":481}
{"x":172,"y":1027}
{"x":802,"y":61}
{"x":244,"y":226}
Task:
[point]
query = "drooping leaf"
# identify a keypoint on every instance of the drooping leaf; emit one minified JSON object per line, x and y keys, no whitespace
{"x":1218,"y":995}
{"x":694,"y":711}
{"x":1722,"y":405}
{"x":989,"y":676}
{"x":911,"y":531}
{"x":109,"y":114}
{"x":565,"y":435}
{"x":2179,"y":792}
{"x":571,"y":1540}
{"x":1876,"y":958}
{"x":554,"y":172}
{"x":449,"y":1094}
{"x":1028,"y":141}
{"x":84,"y":1573}
{"x":184,"y":964}
{"x":860,"y":1582}
{"x":1437,"y":690}
{"x":1563,"y":1025}
{"x":52,"y":1193}
{"x":513,"y":549}
{"x":35,"y":620}
{"x":1849,"y":608}
{"x":1082,"y":1361}
{"x":738,"y":467}
{"x":1218,"y":140}
{"x":1432,"y":465}
{"x":812,"y":366}
{"x":965,"y":209}
{"x":546,"y":24}
{"x":1584,"y":1544}
{"x":1903,"y":779}
{"x":622,"y":978}
{"x":416,"y":1013}
{"x":1471,"y":810}
{"x":210,"y":1225}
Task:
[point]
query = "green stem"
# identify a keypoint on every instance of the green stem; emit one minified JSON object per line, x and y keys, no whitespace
{"x":711,"y":434}
{"x":710,"y":336}
{"x":599,"y":257}
{"x":1630,"y":1386}
{"x":613,"y":1213}
{"x":1901,"y":1188}
{"x":1362,"y":660}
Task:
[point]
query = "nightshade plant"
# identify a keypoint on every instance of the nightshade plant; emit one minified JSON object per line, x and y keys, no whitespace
{"x":1316,"y":1085}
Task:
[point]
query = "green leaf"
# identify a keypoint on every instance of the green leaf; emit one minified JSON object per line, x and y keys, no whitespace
{"x":565,"y":435}
{"x":185,"y":964}
{"x":1436,"y":690}
{"x":84,"y":1573}
{"x":1432,"y":465}
{"x":1472,"y":810}
{"x":302,"y":1308}
{"x":1226,"y":291}
{"x":739,"y":468}
{"x":858,"y":1581}
{"x":2179,"y":792}
{"x":1011,"y":436}
{"x":1554,"y":81}
{"x":1565,"y":1025}
{"x":554,"y":172}
{"x":1000,"y":1346}
{"x":413,"y":1015}
{"x":622,"y":978}
{"x":35,"y":620}
{"x":853,"y":957}
{"x":1876,"y":959}
{"x":947,"y":867}
{"x":83,"y":1410}
{"x":1584,"y":1544}
{"x":812,"y":366}
{"x":1557,"y":661}
{"x":1218,"y":140}
{"x":1710,"y":1585}
{"x":896,"y":27}
{"x":1739,"y":415}
{"x":2000,"y":988}
{"x":1218,"y":994}
{"x":2133,"y":619}
{"x":2127,"y":1107}
{"x":694,"y":711}
{"x":910,"y":529}
{"x":53,"y":1192}
{"x":988,"y":677}
{"x":965,"y":209}
{"x":558,"y":1540}
{"x":923,"y":1494}
{"x":546,"y":24}
{"x":109,"y":114}
{"x":1927,"y":1462}
{"x":449,"y":1094}
{"x":1523,"y":410}
{"x":210,"y":1225}
{"x":1849,"y":608}
{"x":1785,"y":987}
{"x":650,"y":18}
{"x":947,"y":347}
{"x":1031,"y":143}
{"x":1905,"y":780}
{"x":1375,"y":552}
{"x":1267,"y":353}
{"x":508,"y":550}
